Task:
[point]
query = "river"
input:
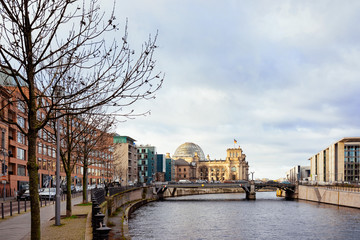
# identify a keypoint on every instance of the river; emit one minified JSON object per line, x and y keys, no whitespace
{"x":230,"y":216}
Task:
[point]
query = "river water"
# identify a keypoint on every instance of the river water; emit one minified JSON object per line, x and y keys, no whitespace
{"x":230,"y":216}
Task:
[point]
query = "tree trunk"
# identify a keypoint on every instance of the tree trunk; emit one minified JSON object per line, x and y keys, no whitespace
{"x":85,"y":200}
{"x":33,"y":185}
{"x":68,"y":195}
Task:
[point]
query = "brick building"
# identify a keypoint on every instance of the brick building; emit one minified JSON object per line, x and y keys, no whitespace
{"x":14,"y":150}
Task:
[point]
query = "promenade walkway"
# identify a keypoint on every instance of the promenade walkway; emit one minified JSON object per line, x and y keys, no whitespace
{"x":18,"y":227}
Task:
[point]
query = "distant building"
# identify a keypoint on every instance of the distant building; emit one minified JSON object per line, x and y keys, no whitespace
{"x":182,"y":170}
{"x":125,"y":160}
{"x":298,"y":173}
{"x":146,"y":163}
{"x":160,"y":163}
{"x":234,"y":167}
{"x":169,"y":168}
{"x":337,"y":163}
{"x":160,"y":168}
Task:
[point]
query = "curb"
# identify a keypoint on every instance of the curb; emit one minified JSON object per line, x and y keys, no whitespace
{"x":88,"y":230}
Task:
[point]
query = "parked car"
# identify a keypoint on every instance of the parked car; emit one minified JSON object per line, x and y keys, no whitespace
{"x":24,"y":195}
{"x":64,"y":188}
{"x":78,"y":188}
{"x":48,"y":193}
{"x":200,"y":181}
{"x":184,"y":181}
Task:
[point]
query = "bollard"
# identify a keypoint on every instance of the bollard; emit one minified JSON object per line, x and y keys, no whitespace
{"x":10,"y":208}
{"x":2,"y":210}
{"x":102,"y":233}
{"x":18,"y":206}
{"x":98,"y":221}
{"x":95,"y":211}
{"x":25,"y":204}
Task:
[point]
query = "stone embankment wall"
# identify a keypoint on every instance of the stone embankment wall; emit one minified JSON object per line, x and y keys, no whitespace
{"x":329,"y":196}
{"x":126,"y":200}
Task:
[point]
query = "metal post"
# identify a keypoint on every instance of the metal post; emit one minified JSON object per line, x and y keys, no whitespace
{"x":4,"y":181}
{"x":58,"y":93}
{"x":57,"y":204}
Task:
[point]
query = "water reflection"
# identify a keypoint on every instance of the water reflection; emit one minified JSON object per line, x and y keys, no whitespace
{"x":230,"y":216}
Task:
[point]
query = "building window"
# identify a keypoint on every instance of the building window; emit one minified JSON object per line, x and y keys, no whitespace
{"x":3,"y":139}
{"x":184,"y":169}
{"x":20,"y":138}
{"x":39,"y":148}
{"x":21,"y":121}
{"x":21,"y":170}
{"x":20,"y":154}
{"x":21,"y":106}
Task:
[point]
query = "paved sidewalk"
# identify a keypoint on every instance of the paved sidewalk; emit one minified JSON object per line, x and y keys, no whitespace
{"x":18,"y":227}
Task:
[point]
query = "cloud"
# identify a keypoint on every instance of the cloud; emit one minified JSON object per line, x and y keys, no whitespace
{"x":280,"y":77}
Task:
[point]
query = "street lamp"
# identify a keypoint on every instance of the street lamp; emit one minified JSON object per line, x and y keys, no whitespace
{"x":58,"y":93}
{"x":252,"y":175}
{"x":4,"y":167}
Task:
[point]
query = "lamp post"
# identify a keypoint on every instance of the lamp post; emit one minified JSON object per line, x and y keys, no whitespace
{"x":252,"y":175}
{"x":4,"y":164}
{"x":58,"y":93}
{"x":48,"y":177}
{"x":4,"y":171}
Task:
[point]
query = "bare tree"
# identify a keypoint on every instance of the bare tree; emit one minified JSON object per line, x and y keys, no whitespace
{"x":93,"y":139}
{"x":47,"y":45}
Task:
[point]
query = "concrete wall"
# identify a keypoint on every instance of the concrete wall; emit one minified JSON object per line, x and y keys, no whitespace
{"x":127,"y":197}
{"x":330,"y":196}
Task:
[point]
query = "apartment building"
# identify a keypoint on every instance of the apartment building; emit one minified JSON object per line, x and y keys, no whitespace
{"x":146,"y":163}
{"x":14,"y":151}
{"x":125,"y":160}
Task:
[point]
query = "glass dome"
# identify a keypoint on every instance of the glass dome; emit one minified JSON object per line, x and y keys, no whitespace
{"x":188,"y":150}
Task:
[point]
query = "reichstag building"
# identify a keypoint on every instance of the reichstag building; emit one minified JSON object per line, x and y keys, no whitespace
{"x":191,"y":163}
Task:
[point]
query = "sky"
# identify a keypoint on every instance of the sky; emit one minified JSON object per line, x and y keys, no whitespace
{"x":280,"y":77}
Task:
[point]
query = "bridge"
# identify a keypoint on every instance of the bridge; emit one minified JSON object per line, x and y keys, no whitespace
{"x":250,"y":187}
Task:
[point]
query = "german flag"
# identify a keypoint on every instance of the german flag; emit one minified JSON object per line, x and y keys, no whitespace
{"x":235,"y":142}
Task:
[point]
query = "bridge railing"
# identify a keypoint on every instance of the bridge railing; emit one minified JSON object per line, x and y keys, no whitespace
{"x":345,"y":189}
{"x":115,"y":190}
{"x":99,"y":195}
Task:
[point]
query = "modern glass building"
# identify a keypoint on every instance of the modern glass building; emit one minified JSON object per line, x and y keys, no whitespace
{"x":169,"y":168}
{"x":146,"y":163}
{"x":340,"y":162}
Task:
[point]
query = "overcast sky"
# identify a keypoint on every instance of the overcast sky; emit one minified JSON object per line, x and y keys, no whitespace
{"x":280,"y":77}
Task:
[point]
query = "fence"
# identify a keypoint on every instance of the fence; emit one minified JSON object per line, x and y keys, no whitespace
{"x":8,"y":208}
{"x":99,"y":195}
{"x":115,"y":190}
{"x":345,"y":189}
